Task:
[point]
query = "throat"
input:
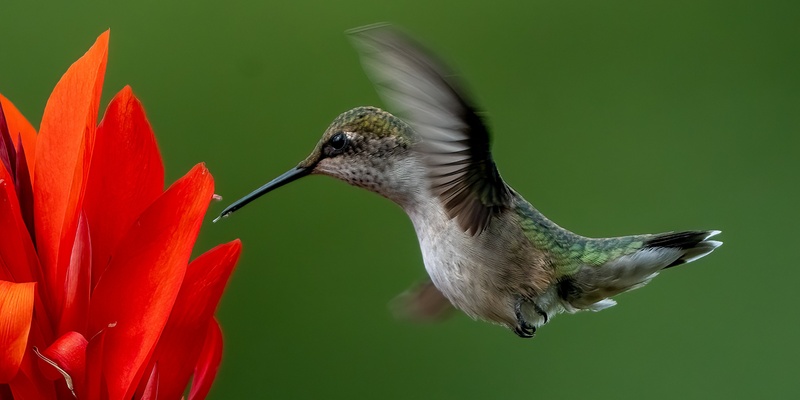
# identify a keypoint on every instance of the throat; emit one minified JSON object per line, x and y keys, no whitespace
{"x":404,"y":183}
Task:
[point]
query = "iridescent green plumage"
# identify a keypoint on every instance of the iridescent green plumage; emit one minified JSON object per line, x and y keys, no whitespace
{"x":569,"y":252}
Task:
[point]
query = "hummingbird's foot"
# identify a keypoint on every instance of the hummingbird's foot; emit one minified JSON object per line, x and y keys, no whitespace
{"x":524,"y":329}
{"x":525,"y":332}
{"x":540,"y":312}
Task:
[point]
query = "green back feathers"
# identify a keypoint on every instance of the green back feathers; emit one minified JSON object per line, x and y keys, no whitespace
{"x":568,"y":251}
{"x":600,"y":251}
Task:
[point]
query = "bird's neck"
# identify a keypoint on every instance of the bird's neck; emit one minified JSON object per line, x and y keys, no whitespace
{"x":403,"y":181}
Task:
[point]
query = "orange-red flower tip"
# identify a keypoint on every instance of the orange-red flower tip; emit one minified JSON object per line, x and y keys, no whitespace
{"x":125,"y":177}
{"x":63,"y":150}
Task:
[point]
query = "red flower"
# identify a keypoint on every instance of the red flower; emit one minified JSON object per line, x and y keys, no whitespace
{"x":98,"y":299}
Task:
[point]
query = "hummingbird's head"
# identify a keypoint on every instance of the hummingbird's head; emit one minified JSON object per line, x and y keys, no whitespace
{"x":365,"y":147}
{"x":361,"y":147}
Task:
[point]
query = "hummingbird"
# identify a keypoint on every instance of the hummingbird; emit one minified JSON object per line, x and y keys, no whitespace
{"x":487,"y":250}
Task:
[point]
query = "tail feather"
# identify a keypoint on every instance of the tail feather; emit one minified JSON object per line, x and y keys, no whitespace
{"x":592,"y":286}
{"x":695,"y":244}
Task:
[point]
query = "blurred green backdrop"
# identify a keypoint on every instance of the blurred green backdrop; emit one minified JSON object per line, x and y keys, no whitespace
{"x":612,"y":117}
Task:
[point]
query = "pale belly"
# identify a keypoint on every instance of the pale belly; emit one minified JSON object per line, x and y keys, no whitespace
{"x":480,"y":275}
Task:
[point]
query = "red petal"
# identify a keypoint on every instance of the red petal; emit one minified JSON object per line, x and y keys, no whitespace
{"x":140,"y":284}
{"x":8,"y":152}
{"x":76,"y":284}
{"x":16,"y":312}
{"x":24,"y":187}
{"x":18,"y":260}
{"x":63,"y":151}
{"x":30,"y":384}
{"x":68,"y":353}
{"x":180,"y":345}
{"x":95,"y":384}
{"x":151,"y":389}
{"x":18,"y":126}
{"x":5,"y":392}
{"x":208,"y":364}
{"x":125,"y":177}
{"x":16,"y":248}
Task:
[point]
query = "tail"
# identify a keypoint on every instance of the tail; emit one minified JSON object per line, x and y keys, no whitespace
{"x":591,"y":287}
{"x":693,"y":244}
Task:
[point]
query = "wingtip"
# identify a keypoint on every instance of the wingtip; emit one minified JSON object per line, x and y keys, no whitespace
{"x":361,"y":29}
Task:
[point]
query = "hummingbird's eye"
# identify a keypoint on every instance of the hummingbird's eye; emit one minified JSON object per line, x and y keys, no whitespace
{"x":338,"y":142}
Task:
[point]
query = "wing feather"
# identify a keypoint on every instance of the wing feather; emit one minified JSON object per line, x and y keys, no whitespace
{"x":455,"y":140}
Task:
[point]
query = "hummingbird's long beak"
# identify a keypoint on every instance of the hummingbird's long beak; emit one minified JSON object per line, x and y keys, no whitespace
{"x":287,"y":177}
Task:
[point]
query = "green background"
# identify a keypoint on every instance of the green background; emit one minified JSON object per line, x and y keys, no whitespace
{"x":612,"y":117}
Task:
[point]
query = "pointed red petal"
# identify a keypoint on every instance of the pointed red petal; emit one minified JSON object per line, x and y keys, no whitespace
{"x":151,"y":389}
{"x":16,"y":312}
{"x":8,"y":152}
{"x":24,"y":187}
{"x":95,"y":384}
{"x":76,"y":285}
{"x":16,"y":248}
{"x":140,"y":284}
{"x":208,"y":363}
{"x":18,"y":259}
{"x":125,"y":177}
{"x":18,"y":126}
{"x":180,"y":345}
{"x":63,"y":150}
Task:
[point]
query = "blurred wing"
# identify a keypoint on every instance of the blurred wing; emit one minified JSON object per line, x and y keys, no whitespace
{"x":455,"y":140}
{"x":422,"y":303}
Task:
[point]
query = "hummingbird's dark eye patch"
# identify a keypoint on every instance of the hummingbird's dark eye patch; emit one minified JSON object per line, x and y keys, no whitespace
{"x":337,"y":143}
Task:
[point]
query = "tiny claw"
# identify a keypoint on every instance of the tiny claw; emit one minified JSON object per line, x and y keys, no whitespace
{"x":525,"y":332}
{"x":216,"y":197}
{"x":524,"y":329}
{"x":221,"y":216}
{"x":541,"y":312}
